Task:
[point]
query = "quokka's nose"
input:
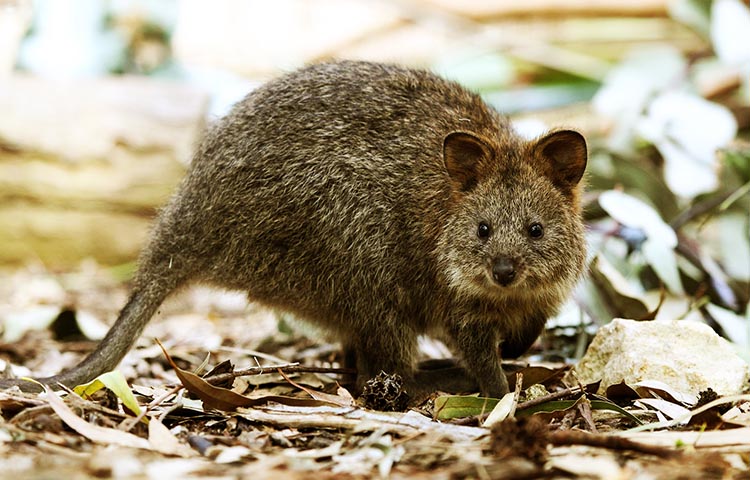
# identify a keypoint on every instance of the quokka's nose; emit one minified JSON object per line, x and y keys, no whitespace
{"x":504,"y":271}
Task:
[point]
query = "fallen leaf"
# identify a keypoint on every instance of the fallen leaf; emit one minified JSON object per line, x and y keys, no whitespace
{"x":738,"y":415}
{"x":310,"y":459}
{"x":376,"y":451}
{"x":501,"y":411}
{"x":588,"y":466}
{"x":535,"y":374}
{"x":597,"y":403}
{"x":233,"y":454}
{"x":334,"y":400}
{"x":91,"y":325}
{"x":163,"y":441}
{"x":621,"y":392}
{"x":16,"y":323}
{"x":226,"y":400}
{"x":646,"y":387}
{"x":95,"y":433}
{"x":670,"y":409}
{"x":116,"y":383}
{"x":456,"y":406}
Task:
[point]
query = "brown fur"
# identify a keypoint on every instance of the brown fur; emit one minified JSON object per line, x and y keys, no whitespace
{"x":349,"y":194}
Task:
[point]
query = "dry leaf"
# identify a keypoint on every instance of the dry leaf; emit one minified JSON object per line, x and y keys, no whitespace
{"x":502,"y":410}
{"x":163,"y":441}
{"x":333,"y":400}
{"x":646,"y":387}
{"x":95,"y":433}
{"x":670,"y":409}
{"x":226,"y":400}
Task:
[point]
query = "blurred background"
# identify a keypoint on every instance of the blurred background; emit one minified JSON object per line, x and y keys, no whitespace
{"x":101,"y":103}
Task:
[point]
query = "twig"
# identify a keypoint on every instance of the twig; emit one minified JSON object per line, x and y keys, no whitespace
{"x":128,"y":424}
{"x":287,"y":368}
{"x":573,"y":437}
{"x":547,"y":398}
{"x":347,"y":418}
{"x":584,"y":408}
{"x":516,"y":394}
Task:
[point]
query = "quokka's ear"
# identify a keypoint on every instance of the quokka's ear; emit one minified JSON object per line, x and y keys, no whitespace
{"x":464,"y":155}
{"x":561,"y":156}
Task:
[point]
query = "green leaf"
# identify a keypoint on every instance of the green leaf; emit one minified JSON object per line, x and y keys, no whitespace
{"x":449,"y":406}
{"x":597,"y":403}
{"x":603,"y":404}
{"x":116,"y":383}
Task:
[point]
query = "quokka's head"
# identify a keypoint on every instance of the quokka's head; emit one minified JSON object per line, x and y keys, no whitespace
{"x":515,"y":228}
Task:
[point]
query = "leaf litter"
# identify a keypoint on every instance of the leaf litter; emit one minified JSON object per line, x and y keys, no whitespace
{"x":291,"y":422}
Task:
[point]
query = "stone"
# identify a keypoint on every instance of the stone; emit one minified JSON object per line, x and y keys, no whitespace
{"x":688,"y":356}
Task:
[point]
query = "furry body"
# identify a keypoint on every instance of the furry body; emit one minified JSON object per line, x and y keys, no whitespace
{"x":350,"y":194}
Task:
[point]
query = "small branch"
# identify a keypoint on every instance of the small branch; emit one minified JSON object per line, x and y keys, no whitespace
{"x":129,"y":423}
{"x":347,"y":418}
{"x":287,"y":368}
{"x":516,"y":394}
{"x":548,"y":398}
{"x":572,"y":437}
{"x":584,"y":409}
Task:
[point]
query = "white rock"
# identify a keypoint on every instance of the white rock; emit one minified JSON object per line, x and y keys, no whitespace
{"x":688,"y":356}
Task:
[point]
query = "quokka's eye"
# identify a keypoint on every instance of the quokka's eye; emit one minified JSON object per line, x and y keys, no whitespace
{"x":536,"y":230}
{"x":483,"y":230}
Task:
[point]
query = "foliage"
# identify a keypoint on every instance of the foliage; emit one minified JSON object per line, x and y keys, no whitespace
{"x":669,"y":211}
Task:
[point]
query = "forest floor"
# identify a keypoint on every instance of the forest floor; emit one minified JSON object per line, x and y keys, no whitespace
{"x":299,"y":422}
